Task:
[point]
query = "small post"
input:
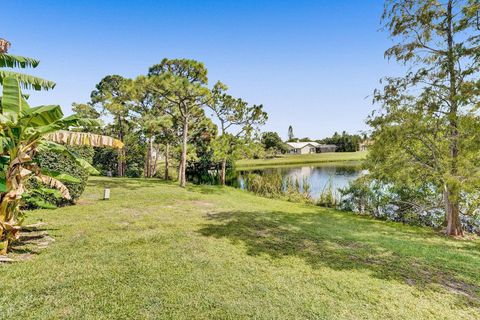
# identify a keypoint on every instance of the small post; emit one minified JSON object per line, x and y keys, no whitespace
{"x":106,"y":194}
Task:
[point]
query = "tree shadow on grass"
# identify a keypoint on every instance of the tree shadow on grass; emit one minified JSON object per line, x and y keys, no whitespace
{"x":346,"y":242}
{"x":127,"y":183}
{"x":205,"y":189}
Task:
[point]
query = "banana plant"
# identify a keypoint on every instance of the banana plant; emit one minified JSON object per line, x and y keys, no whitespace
{"x":25,"y":131}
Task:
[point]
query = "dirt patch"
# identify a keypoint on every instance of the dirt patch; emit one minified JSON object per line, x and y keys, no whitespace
{"x":201,"y":203}
{"x":197,"y":203}
{"x":84,"y":202}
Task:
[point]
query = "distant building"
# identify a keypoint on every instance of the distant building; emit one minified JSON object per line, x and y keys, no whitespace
{"x":309,"y":147}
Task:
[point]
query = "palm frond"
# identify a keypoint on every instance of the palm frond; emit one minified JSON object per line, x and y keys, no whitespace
{"x":12,"y":61}
{"x":27,"y":81}
{"x":42,"y":115}
{"x":12,"y":97}
{"x":84,"y":139}
{"x":56,"y":184}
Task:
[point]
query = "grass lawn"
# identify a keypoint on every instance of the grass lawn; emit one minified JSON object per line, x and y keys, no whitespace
{"x":160,"y":252}
{"x":295,"y":159}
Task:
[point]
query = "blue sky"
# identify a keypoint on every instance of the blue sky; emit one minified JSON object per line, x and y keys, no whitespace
{"x":312,"y":64}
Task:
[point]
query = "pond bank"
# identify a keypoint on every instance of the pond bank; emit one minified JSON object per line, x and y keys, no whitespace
{"x":301,"y":159}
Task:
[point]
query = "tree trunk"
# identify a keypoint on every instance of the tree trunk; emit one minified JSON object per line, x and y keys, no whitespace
{"x":167,"y":147}
{"x":3,"y":218}
{"x":9,"y":207}
{"x":223,"y":170}
{"x":154,"y":163}
{"x":121,"y":155}
{"x":183,"y":159}
{"x":454,"y":227}
{"x":150,"y":161}
{"x":146,"y":172}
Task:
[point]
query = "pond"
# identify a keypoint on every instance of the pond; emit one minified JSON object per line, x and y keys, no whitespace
{"x":319,"y":176}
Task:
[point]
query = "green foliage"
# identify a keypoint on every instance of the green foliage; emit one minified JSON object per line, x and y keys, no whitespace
{"x":268,"y":185}
{"x":233,"y":114}
{"x":274,"y":186}
{"x":26,"y":81}
{"x":62,"y":163}
{"x":24,"y":133}
{"x":273,"y":143}
{"x":106,"y":160}
{"x":419,"y":205}
{"x":328,"y":197}
{"x":427,"y":128}
{"x":110,"y":96}
{"x":182,"y":85}
{"x":345,"y":142}
{"x":291,"y":136}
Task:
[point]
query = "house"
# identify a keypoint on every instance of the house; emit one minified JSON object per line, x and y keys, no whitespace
{"x":309,"y":147}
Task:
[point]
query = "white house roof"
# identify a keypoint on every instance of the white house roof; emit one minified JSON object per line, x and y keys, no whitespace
{"x":313,"y":144}
{"x":300,"y":145}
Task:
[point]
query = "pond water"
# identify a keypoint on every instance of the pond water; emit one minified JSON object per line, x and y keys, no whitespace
{"x":319,"y":176}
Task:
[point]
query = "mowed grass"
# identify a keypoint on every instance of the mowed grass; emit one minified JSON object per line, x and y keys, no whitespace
{"x":155,"y":251}
{"x":298,"y":159}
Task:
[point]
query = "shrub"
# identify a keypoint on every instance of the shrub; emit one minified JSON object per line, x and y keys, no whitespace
{"x":420,"y":205}
{"x":328,"y":197}
{"x":60,"y":163}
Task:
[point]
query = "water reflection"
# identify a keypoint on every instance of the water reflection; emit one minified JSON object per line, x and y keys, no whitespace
{"x":318,"y":176}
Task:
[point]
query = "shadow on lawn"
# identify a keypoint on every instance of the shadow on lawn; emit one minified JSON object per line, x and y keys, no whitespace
{"x":30,"y":243}
{"x":342,"y":243}
{"x":127,"y":183}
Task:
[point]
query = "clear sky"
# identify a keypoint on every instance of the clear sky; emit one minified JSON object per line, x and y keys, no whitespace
{"x":312,"y":64}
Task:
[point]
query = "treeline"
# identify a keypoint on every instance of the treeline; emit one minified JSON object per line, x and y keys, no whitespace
{"x":170,"y":117}
{"x":345,"y":142}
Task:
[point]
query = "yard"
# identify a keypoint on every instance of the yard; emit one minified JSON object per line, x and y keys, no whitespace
{"x":299,"y":159}
{"x":158,"y":251}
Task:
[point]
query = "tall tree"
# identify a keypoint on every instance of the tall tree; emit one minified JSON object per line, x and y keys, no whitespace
{"x":425,"y":131}
{"x":168,"y":136}
{"x":143,"y":105}
{"x":182,"y":82}
{"x":290,"y":133}
{"x":237,"y":119}
{"x":87,"y":111}
{"x":110,"y":95}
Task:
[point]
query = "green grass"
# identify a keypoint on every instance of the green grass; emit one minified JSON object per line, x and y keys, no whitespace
{"x":155,"y":251}
{"x":299,"y":159}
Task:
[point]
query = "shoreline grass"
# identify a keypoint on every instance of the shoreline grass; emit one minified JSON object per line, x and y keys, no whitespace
{"x":290,"y":160}
{"x":206,"y":252}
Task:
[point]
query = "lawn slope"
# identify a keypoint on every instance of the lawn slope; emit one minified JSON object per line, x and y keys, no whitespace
{"x":155,"y":251}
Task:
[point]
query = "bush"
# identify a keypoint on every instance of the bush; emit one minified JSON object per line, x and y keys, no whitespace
{"x":421,"y":205}
{"x":56,"y":162}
